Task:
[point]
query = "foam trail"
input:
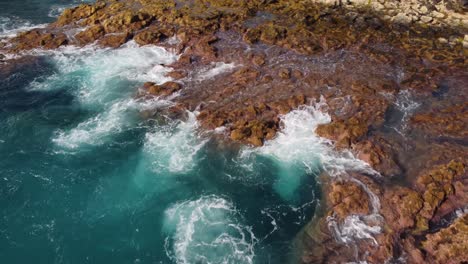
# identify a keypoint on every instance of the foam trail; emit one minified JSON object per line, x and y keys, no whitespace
{"x":406,"y":105}
{"x":99,"y":73}
{"x":208,"y":230}
{"x":173,"y":147}
{"x":96,"y":130}
{"x":218,"y":68}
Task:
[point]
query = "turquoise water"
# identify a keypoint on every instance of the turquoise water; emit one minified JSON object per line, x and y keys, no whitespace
{"x":84,"y":178}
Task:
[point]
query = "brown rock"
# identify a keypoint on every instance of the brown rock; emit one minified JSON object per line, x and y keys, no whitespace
{"x":90,"y":35}
{"x":346,"y":198}
{"x":449,"y":245}
{"x":401,"y":207}
{"x":114,"y":40}
{"x":284,"y":74}
{"x":163,"y":90}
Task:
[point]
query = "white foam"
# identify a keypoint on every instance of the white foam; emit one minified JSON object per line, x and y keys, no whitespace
{"x":405,"y":103}
{"x":297,"y":142}
{"x":461,"y":212}
{"x":99,"y":71}
{"x":57,"y":10}
{"x":174,"y":147}
{"x":216,"y":69}
{"x":102,"y":80}
{"x":297,"y":148}
{"x":208,"y":230}
{"x":355,"y":227}
{"x":11,"y":26}
{"x":96,"y":130}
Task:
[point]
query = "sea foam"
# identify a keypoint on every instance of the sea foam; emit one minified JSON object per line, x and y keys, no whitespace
{"x":173,"y":147}
{"x":208,"y":230}
{"x":11,"y":26}
{"x":297,"y":145}
{"x":215,"y":69}
{"x":102,"y":80}
{"x":297,"y":148}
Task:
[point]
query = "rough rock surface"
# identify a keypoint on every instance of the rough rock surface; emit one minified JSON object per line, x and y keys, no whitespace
{"x":393,"y":75}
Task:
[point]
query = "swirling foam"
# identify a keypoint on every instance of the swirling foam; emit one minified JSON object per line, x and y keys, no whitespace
{"x":208,"y":230}
{"x":100,"y":80}
{"x":297,"y":148}
{"x":174,"y":146}
{"x":99,"y":73}
{"x":96,"y":130}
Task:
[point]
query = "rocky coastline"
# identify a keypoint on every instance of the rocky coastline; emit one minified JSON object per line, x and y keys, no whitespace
{"x":394,"y":78}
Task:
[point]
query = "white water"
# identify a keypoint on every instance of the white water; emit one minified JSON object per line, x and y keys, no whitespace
{"x":208,"y":230}
{"x":103,"y":80}
{"x":216,"y":69}
{"x":173,"y":147}
{"x":11,"y":26}
{"x":297,"y":148}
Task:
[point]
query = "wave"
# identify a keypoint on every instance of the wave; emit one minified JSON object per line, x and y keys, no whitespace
{"x":11,"y":26}
{"x":208,"y":230}
{"x":100,"y":79}
{"x":173,"y":147}
{"x":96,"y":130}
{"x":297,"y":149}
{"x":57,"y":10}
{"x":98,"y":73}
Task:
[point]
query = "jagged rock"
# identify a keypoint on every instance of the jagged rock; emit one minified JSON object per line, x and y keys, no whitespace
{"x":163,"y":90}
{"x":114,"y":40}
{"x":346,"y":198}
{"x":90,"y":35}
{"x":449,"y":244}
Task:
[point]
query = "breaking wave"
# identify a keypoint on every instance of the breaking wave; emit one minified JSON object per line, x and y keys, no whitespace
{"x":101,"y":81}
{"x":11,"y":26}
{"x":175,"y":145}
{"x":297,"y":148}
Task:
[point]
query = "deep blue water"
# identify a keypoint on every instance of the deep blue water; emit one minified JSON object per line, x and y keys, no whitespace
{"x":85,"y":178}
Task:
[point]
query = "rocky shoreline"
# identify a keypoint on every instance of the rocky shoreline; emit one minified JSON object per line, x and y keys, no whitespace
{"x":394,"y":78}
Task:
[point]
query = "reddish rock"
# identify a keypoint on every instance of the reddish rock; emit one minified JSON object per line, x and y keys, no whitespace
{"x":114,"y":40}
{"x":90,"y":35}
{"x":163,"y":90}
{"x":449,"y":245}
{"x":346,"y":198}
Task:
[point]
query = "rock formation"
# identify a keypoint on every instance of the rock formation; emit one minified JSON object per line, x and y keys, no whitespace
{"x":365,"y":58}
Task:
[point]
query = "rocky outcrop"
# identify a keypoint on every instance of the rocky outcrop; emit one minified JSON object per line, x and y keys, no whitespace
{"x":243,"y":64}
{"x":449,"y":244}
